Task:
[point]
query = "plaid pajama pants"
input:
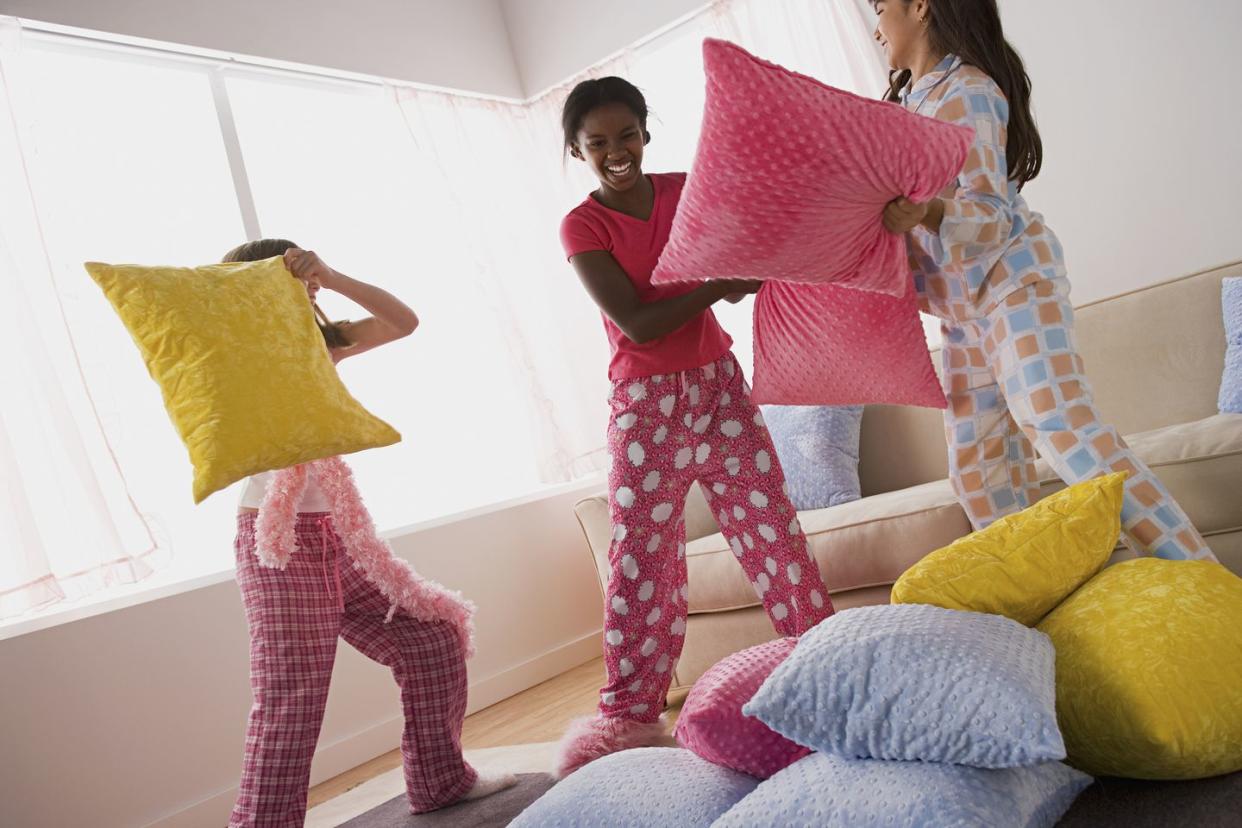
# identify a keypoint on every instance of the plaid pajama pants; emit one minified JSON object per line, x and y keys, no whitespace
{"x":295,"y":616}
{"x":666,"y":432}
{"x":1015,"y":382}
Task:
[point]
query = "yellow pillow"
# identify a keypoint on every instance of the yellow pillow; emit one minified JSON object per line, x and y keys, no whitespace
{"x":245,"y":373}
{"x":1149,"y":670}
{"x":1023,"y":565}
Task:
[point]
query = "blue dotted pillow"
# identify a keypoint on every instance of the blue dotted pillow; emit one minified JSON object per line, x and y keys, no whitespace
{"x":640,"y":788}
{"x":1231,"y":382}
{"x":818,"y":449}
{"x":830,"y":792}
{"x":918,"y":683}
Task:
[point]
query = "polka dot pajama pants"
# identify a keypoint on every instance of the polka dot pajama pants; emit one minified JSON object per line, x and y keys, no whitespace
{"x":667,"y":431}
{"x":1015,"y":384}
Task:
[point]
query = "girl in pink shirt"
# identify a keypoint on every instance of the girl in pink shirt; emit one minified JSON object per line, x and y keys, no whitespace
{"x":681,"y":412}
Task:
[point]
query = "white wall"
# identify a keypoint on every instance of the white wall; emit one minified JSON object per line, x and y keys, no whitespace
{"x":137,"y":716}
{"x":554,"y":39}
{"x":1138,"y":105}
{"x":462,"y":44}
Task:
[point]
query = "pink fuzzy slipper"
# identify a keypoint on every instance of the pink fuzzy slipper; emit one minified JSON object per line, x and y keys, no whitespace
{"x":592,"y":737}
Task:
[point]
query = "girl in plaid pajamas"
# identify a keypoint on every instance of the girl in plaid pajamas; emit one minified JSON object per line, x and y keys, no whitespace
{"x":994,"y":274}
{"x":294,"y":528}
{"x":681,"y":412}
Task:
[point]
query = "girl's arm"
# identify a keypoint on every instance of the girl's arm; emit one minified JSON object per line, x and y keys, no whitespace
{"x":390,"y":319}
{"x":976,"y":221}
{"x":643,"y":321}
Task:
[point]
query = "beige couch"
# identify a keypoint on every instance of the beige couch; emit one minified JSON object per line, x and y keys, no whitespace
{"x":1155,"y":358}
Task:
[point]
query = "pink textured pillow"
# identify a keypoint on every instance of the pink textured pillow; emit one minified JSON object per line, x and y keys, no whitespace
{"x":711,"y":722}
{"x":791,"y":177}
{"x":830,"y":345}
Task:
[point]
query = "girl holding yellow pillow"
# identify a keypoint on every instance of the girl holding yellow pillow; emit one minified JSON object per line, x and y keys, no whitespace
{"x":294,"y":526}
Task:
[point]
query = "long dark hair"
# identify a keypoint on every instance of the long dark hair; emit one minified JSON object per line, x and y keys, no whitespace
{"x":598,"y":92}
{"x":971,"y":29}
{"x":254,"y":251}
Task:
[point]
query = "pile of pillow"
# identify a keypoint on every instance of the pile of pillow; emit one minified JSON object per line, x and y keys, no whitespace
{"x":788,"y":185}
{"x":1149,"y":651}
{"x":1004,"y":653}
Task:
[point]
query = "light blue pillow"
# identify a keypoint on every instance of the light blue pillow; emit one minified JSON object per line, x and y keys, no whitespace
{"x":640,"y":788}
{"x":919,"y":683}
{"x":824,"y":791}
{"x":818,"y":449}
{"x":1231,"y":382}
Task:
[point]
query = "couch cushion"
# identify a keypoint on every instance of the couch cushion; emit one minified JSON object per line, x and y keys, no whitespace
{"x":870,"y":542}
{"x":1200,"y":462}
{"x":866,"y":543}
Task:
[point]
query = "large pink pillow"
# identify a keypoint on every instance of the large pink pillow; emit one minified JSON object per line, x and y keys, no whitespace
{"x":831,"y":345}
{"x":711,"y":722}
{"x":791,"y":177}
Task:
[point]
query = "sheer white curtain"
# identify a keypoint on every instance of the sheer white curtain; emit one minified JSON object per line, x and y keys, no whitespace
{"x":451,"y":202}
{"x":69,"y":525}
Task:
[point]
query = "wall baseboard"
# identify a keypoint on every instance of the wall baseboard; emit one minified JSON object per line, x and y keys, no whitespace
{"x":352,"y":751}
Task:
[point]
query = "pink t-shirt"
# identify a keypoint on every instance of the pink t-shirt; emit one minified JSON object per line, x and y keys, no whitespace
{"x":636,"y":245}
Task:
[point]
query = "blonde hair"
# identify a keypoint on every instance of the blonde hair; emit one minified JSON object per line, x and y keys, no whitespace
{"x":254,"y":251}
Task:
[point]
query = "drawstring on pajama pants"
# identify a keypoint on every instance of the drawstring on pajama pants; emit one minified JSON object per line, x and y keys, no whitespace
{"x":325,"y":538}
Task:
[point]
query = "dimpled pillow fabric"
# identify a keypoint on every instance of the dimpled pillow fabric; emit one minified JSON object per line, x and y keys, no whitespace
{"x":1023,"y":565}
{"x":829,"y":345}
{"x":711,"y":722}
{"x":818,"y":449}
{"x":917,"y":683}
{"x":1149,"y":670}
{"x":640,"y":788}
{"x":825,"y":791}
{"x":791,"y":176}
{"x":1230,"y":401}
{"x":245,"y":374}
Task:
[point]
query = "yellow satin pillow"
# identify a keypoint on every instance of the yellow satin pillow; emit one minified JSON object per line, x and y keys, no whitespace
{"x":1149,"y":670}
{"x":1023,"y":565}
{"x":244,"y":370}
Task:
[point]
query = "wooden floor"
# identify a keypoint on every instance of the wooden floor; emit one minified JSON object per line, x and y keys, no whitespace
{"x":539,"y":714}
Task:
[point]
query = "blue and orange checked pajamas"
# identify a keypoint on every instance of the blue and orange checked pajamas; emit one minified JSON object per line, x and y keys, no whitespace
{"x":665,"y":432}
{"x":995,"y":277}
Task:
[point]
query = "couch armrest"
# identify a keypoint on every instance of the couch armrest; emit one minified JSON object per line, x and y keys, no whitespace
{"x":592,"y":514}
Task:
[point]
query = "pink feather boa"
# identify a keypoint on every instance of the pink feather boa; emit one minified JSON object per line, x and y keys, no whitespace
{"x":276,"y":541}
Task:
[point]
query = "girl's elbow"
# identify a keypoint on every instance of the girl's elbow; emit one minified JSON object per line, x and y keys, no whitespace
{"x":408,"y":326}
{"x":637,"y":334}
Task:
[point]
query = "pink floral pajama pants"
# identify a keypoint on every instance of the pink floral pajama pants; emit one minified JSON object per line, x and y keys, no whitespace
{"x":295,"y":616}
{"x":667,"y":431}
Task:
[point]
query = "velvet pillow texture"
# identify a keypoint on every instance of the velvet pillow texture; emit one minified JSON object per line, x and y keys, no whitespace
{"x":818,"y":449}
{"x":711,"y":722}
{"x":791,"y":176}
{"x":640,"y":788}
{"x":831,"y":345}
{"x":1230,"y":401}
{"x":918,"y":683}
{"x":827,"y":791}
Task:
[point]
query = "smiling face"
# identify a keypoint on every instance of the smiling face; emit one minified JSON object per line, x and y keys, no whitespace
{"x":900,"y":30}
{"x":611,"y":141}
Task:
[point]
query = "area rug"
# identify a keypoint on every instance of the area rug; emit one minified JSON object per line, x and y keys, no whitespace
{"x":495,"y":811}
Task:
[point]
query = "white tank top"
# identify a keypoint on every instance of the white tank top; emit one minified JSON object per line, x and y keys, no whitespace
{"x":313,"y":499}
